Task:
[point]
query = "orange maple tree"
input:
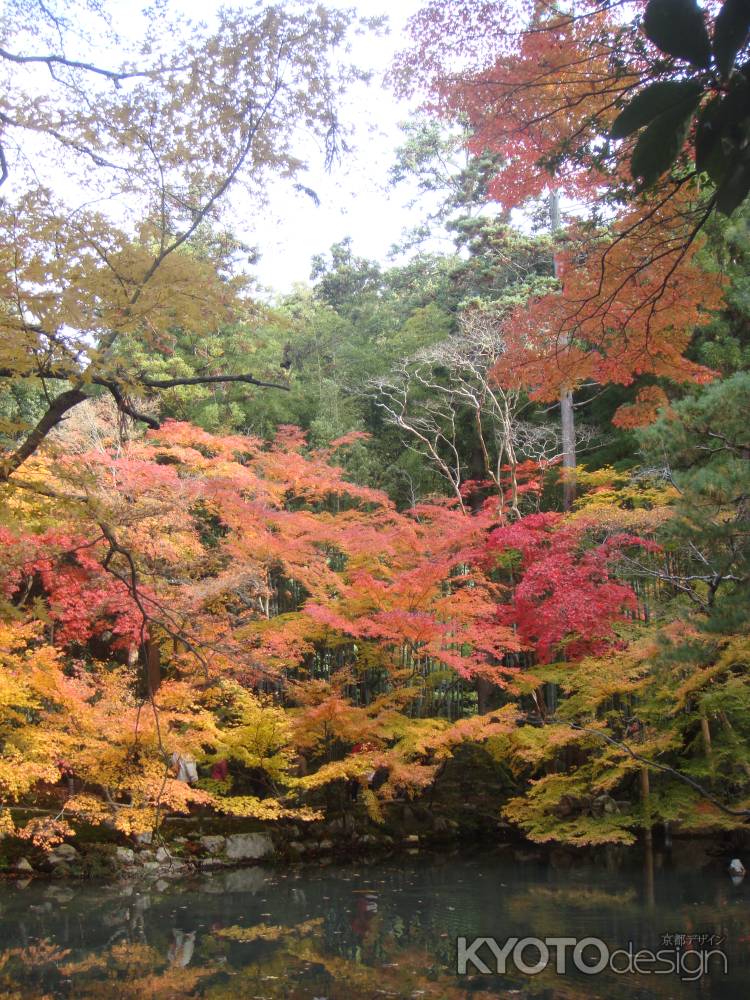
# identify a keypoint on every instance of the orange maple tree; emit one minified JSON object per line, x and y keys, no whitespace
{"x":543,"y":87}
{"x":223,"y":598}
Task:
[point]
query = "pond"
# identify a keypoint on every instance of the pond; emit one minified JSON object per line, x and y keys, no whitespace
{"x":388,"y":928}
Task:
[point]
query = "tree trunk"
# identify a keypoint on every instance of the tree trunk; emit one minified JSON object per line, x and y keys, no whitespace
{"x":567,"y":418}
{"x":54,"y":415}
{"x":567,"y":413}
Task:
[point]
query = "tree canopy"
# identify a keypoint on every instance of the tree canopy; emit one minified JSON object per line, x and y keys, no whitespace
{"x":157,"y":140}
{"x":573,"y":101}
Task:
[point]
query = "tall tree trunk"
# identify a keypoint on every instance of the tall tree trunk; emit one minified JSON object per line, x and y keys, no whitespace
{"x":567,"y":418}
{"x":567,"y":413}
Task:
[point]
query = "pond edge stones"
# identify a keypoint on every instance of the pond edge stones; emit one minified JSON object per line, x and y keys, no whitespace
{"x":248,"y":846}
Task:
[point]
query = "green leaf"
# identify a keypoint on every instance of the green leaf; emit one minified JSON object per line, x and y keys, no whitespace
{"x":730,"y":33}
{"x":733,"y":189}
{"x":678,"y":29}
{"x":735,"y":107}
{"x":709,"y":150}
{"x":666,"y":95}
{"x":660,"y":145}
{"x":723,"y":130}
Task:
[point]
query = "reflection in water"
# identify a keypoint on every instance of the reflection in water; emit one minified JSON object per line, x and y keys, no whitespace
{"x":384,"y":930}
{"x":182,"y":947}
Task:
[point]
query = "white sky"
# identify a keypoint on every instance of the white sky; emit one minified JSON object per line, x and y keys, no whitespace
{"x":355,"y":200}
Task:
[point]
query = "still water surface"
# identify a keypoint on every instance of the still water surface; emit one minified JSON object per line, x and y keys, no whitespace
{"x":378,"y":930}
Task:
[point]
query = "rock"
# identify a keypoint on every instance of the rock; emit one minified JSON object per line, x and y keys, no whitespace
{"x":326,"y":845}
{"x":61,"y":854}
{"x":143,"y":856}
{"x":341,"y":824}
{"x":603,"y":804}
{"x":22,"y":865}
{"x":162,"y":854}
{"x":125,"y":855}
{"x":144,"y":838}
{"x":206,"y":864}
{"x":248,"y":846}
{"x":296,"y":847}
{"x":161,"y":885}
{"x":65,"y":852}
{"x":150,"y":866}
{"x":214,"y":845}
{"x":245,"y":880}
{"x":568,"y":805}
{"x":61,"y":870}
{"x":367,"y":840}
{"x":179,"y":840}
{"x":736,"y":867}
{"x":412,"y":838}
{"x":60,"y":893}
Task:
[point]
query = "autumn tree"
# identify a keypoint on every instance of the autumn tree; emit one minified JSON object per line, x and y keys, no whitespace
{"x":669,"y":698}
{"x":562,"y":96}
{"x":162,"y":137}
{"x":219,"y":597}
{"x":235,"y":600}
